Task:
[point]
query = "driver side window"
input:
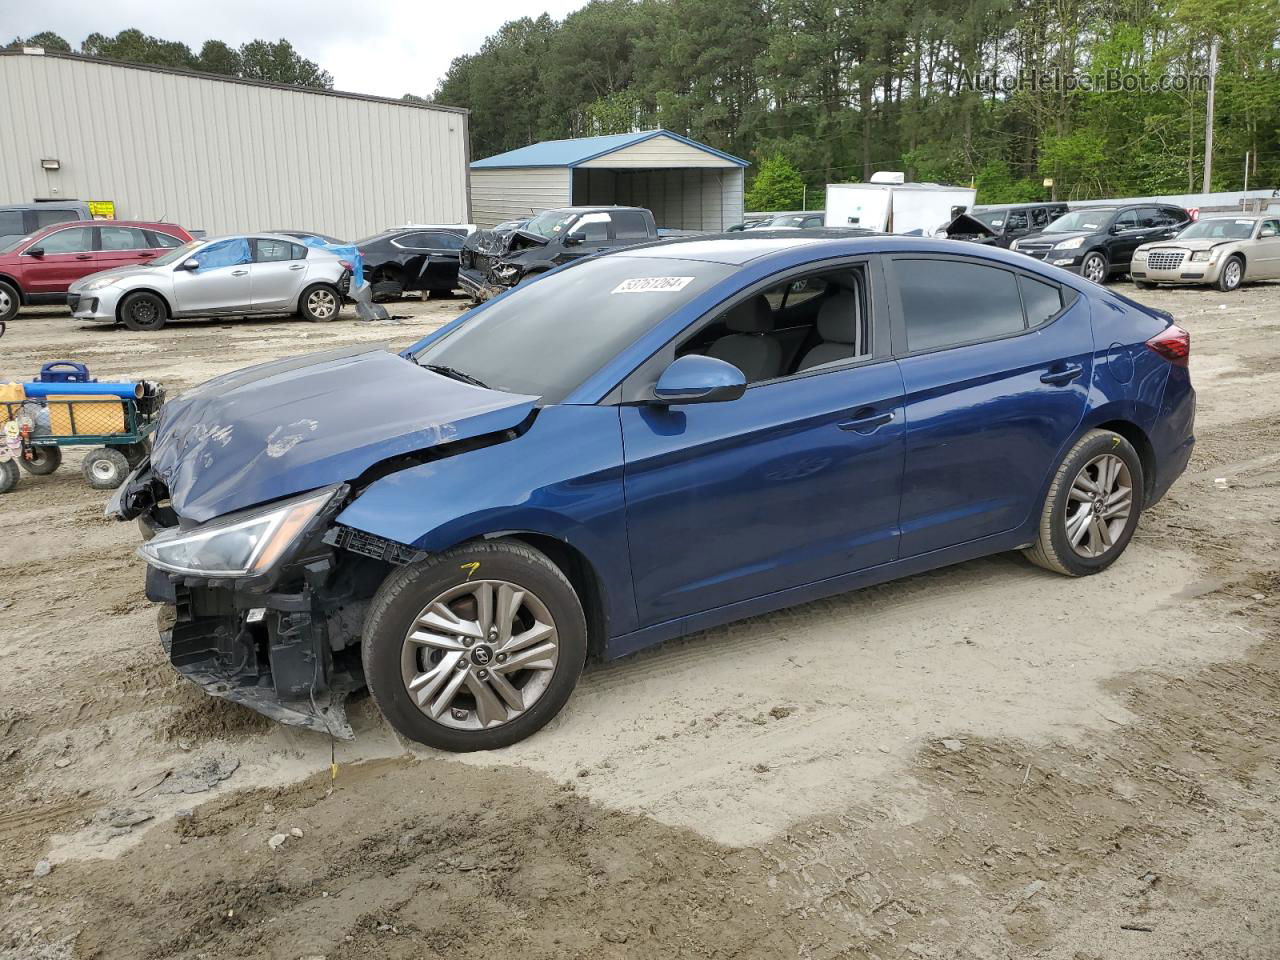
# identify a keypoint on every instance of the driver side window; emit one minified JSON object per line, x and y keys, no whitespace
{"x":591,"y":227}
{"x":1128,"y":220}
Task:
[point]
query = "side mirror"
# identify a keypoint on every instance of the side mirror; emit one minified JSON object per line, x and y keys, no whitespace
{"x":698,"y":379}
{"x":35,"y":251}
{"x":1116,"y":228}
{"x":573,"y":239}
{"x":191,"y":264}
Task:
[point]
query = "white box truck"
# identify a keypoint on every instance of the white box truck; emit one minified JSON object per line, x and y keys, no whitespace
{"x":890,"y":205}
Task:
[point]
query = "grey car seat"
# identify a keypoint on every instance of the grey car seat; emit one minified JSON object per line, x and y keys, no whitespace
{"x":750,"y":346}
{"x":840,"y":327}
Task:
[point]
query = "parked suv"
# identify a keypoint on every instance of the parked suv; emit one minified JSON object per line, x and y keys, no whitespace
{"x":1098,"y":242}
{"x":22,"y":219}
{"x":1000,"y":226}
{"x":41,"y":267}
{"x":494,"y":261}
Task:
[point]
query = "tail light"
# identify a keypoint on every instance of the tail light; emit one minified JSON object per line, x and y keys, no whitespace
{"x":1173,"y":343}
{"x":347,"y":264}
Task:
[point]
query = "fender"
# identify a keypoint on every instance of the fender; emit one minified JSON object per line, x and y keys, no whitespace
{"x":561,"y":478}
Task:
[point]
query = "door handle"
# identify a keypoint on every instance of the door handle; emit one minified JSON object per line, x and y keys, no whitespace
{"x":238,"y":273}
{"x":84,"y":256}
{"x":866,"y":420}
{"x":296,"y":266}
{"x":145,"y":255}
{"x":1063,"y":375}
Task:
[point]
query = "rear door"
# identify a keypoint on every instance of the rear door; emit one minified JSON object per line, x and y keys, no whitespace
{"x":996,"y":366}
{"x":124,"y":246}
{"x":52,"y":263}
{"x":220,"y":284}
{"x":277,"y":274}
{"x":1266,"y":251}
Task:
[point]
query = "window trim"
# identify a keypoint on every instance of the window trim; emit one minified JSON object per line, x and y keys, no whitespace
{"x":898,"y":319}
{"x":636,"y":387}
{"x":291,"y":244}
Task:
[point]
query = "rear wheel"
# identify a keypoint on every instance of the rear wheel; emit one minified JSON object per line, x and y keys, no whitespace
{"x":44,"y":460}
{"x":144,"y":312}
{"x":319,"y":303}
{"x":1092,"y":507}
{"x":475,"y":648}
{"x":105,"y":468}
{"x":1232,"y":274}
{"x":9,"y":475}
{"x":10,"y":300}
{"x":1094,"y":267}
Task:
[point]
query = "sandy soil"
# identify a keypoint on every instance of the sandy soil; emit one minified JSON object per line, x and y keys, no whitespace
{"x":987,"y":761}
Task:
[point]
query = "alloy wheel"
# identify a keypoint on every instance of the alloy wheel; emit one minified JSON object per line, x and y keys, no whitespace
{"x":1098,"y":505}
{"x":1094,"y":269}
{"x":1231,"y":274}
{"x":321,"y":304}
{"x":480,"y":654}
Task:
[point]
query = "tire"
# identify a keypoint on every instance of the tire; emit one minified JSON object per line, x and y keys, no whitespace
{"x":1070,"y":507}
{"x":320,"y":303}
{"x":455,"y":579}
{"x":1144,"y":285}
{"x":105,"y":468}
{"x":1231,"y":276}
{"x":1095,"y":267}
{"x":10,"y":301}
{"x":44,"y":460}
{"x":9,"y":475}
{"x":144,"y":312}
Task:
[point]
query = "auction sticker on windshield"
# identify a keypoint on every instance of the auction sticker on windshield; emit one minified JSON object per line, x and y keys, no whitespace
{"x":652,"y":285}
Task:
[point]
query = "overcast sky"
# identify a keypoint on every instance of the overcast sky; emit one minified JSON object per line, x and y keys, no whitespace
{"x":383,"y":47}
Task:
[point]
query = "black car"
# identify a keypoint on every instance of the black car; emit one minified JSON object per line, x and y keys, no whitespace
{"x":495,"y":260}
{"x":412,"y":258}
{"x":813,"y":220}
{"x":1097,"y":242}
{"x":304,"y":234}
{"x":1000,"y":226}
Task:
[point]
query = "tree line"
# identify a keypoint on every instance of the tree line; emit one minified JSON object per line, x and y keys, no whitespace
{"x":261,"y":60}
{"x":833,"y":91}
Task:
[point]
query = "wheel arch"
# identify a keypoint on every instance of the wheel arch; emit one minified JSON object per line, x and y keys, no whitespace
{"x":13,"y":282}
{"x":1137,"y":438}
{"x":311,"y":285}
{"x":168,"y":304}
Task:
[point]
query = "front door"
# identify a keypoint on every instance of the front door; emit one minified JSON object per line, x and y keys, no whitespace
{"x":55,"y":261}
{"x":1266,"y":252}
{"x":220,"y":284}
{"x":996,"y":372}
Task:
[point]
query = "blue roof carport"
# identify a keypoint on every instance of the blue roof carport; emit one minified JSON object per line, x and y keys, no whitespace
{"x":688,"y":185}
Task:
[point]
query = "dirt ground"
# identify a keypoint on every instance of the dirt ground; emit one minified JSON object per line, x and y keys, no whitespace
{"x":987,"y":761}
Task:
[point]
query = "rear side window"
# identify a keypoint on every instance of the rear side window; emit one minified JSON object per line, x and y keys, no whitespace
{"x":47,"y":218}
{"x":11,"y":223}
{"x":950,"y":302}
{"x":1041,"y":300}
{"x":629,"y":225}
{"x":273,"y":251}
{"x":162,"y":241}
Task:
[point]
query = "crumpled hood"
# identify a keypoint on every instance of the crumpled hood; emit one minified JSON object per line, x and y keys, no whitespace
{"x":119,"y":273}
{"x":292,"y":425}
{"x":489,"y":242}
{"x":967,"y":226}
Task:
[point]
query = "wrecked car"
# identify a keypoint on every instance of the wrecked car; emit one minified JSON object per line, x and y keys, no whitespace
{"x":497,"y":260}
{"x":459,"y":525}
{"x":1223,"y":251}
{"x":413,"y":258}
{"x":1000,"y":226}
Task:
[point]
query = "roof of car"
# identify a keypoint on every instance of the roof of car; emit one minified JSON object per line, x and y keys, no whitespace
{"x":109,"y":223}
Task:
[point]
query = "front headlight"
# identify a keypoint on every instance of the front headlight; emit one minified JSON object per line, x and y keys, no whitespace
{"x":1069,"y":244}
{"x":1140,"y":254}
{"x":241,"y":544}
{"x":97,"y":283}
{"x":1203,"y":255}
{"x":505,"y":271}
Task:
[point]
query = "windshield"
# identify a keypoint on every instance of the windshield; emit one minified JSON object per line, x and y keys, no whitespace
{"x":176,"y":255}
{"x":550,"y":223}
{"x":1222,"y":228}
{"x":546,"y":338}
{"x":1092,"y":219}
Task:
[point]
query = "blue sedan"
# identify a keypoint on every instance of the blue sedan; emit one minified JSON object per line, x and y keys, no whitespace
{"x":638,"y":447}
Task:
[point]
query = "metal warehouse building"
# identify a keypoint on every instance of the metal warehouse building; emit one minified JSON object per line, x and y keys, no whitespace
{"x":687,"y":185}
{"x":224,"y":155}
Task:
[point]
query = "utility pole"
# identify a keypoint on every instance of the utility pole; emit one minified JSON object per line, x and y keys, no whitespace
{"x":1246,"y":170}
{"x":1208,"y":116}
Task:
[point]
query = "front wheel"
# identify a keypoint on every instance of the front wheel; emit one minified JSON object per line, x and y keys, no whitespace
{"x":1094,"y":267}
{"x":10,"y":301}
{"x":1232,"y":274}
{"x":319,"y":303}
{"x":1092,"y":507}
{"x":476,"y":648}
{"x":144,"y":312}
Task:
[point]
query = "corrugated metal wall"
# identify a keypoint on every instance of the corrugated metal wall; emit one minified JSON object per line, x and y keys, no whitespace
{"x":513,"y":193}
{"x":681,"y":199}
{"x":223,"y":156}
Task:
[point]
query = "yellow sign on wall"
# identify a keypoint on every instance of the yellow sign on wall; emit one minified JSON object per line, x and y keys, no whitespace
{"x":102,"y":209}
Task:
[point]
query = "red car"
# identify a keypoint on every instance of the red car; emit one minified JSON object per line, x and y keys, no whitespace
{"x":38,"y":268}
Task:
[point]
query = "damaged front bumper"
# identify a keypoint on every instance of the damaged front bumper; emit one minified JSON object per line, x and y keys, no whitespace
{"x":479,"y":284}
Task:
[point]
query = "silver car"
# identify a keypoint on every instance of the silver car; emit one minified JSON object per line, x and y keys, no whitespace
{"x":223,"y":276}
{"x":1223,"y":251}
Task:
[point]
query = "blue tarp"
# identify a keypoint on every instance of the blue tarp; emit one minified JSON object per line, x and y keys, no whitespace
{"x":346,"y":252}
{"x":227,"y":253}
